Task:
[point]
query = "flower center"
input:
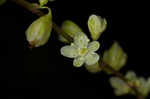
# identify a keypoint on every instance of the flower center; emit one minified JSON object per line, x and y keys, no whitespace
{"x":83,"y":51}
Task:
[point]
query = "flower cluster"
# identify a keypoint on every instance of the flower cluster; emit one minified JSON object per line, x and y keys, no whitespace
{"x":82,"y":50}
{"x":121,"y":87}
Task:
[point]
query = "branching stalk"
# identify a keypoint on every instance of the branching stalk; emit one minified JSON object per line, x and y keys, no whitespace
{"x":105,"y":66}
{"x":34,"y":9}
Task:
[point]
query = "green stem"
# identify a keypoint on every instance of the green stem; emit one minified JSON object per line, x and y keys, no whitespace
{"x":29,"y":6}
{"x":34,"y":9}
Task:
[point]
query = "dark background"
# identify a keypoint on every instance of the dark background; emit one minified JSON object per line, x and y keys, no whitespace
{"x":42,"y":73}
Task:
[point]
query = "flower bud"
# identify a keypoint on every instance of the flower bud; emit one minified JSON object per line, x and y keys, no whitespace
{"x":39,"y":31}
{"x":70,"y":28}
{"x":115,"y":57}
{"x":120,"y":87}
{"x":96,"y":26}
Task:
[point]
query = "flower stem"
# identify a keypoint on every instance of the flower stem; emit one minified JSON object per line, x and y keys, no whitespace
{"x":34,"y":9}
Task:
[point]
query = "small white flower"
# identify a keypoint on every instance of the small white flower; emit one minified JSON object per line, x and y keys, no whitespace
{"x":81,"y":50}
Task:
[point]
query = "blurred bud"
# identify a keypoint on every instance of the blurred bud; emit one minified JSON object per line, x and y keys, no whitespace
{"x":43,"y":2}
{"x":115,"y":57}
{"x":70,"y":28}
{"x":120,"y":87}
{"x":39,"y":31}
{"x":2,"y":2}
{"x":93,"y":68}
{"x":143,"y":86}
{"x":96,"y":26}
{"x":131,"y":76}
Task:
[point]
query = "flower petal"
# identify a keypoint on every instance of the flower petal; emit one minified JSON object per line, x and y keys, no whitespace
{"x":81,"y":40}
{"x":78,"y":62}
{"x":93,"y":46}
{"x":91,"y":58}
{"x":69,"y":51}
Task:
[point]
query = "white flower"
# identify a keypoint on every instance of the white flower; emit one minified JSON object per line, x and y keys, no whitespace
{"x":81,"y":50}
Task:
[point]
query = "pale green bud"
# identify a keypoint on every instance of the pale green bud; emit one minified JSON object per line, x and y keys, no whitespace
{"x":70,"y":28}
{"x":96,"y":26}
{"x":115,"y":57}
{"x":144,"y":86}
{"x":2,"y":2}
{"x":43,"y":2}
{"x":39,"y":31}
{"x":131,"y":76}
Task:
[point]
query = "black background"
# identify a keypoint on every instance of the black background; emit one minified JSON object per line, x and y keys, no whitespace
{"x":42,"y":73}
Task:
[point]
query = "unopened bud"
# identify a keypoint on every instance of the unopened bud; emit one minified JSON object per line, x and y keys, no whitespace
{"x":115,"y":57}
{"x":70,"y":28}
{"x":39,"y":31}
{"x":96,"y":26}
